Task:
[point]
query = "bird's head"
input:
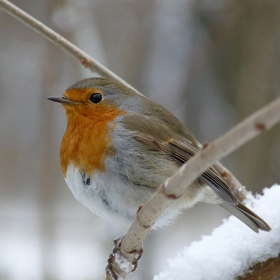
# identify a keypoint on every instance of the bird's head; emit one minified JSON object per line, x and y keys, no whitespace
{"x":97,"y":98}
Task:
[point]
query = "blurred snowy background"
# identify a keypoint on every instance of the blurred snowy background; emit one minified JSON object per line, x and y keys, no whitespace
{"x":211,"y":63}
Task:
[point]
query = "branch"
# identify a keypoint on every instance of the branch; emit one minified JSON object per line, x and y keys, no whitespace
{"x":131,"y":244}
{"x":267,"y":270}
{"x":238,"y":190}
{"x":86,"y":60}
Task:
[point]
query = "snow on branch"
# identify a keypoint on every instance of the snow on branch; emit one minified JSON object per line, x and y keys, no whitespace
{"x":233,"y":250}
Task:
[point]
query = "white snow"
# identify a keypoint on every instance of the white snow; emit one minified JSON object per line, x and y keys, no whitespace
{"x":231,"y":248}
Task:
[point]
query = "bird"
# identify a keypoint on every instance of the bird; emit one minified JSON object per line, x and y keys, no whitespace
{"x":119,"y":147}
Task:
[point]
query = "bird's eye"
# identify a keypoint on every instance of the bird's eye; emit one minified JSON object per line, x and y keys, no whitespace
{"x":95,"y":98}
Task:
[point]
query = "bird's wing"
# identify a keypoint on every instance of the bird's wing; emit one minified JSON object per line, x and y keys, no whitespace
{"x":247,"y":216}
{"x":181,"y":152}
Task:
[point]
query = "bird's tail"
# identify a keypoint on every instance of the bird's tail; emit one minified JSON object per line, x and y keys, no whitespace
{"x":247,"y":216}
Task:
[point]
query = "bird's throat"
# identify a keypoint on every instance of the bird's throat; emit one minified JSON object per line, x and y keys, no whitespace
{"x":86,"y":144}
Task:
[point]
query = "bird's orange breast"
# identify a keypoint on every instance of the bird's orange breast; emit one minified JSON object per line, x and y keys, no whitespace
{"x":87,"y":140}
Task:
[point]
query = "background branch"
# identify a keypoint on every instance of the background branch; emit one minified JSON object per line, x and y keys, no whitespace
{"x":236,"y":187}
{"x":86,"y":60}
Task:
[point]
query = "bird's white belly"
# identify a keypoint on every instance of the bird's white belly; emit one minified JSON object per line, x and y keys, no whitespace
{"x":112,"y":198}
{"x":101,"y":195}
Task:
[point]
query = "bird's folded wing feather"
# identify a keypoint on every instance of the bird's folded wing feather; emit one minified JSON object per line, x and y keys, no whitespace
{"x":181,"y":152}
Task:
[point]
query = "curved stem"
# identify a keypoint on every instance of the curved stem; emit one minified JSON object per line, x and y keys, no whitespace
{"x":86,"y":60}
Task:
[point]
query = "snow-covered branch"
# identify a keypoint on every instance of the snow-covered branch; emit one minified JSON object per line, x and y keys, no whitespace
{"x":232,"y":250}
{"x":265,"y":270}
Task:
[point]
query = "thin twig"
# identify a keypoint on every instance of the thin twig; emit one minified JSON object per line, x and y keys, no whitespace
{"x":86,"y":60}
{"x":236,"y":187}
{"x":175,"y":186}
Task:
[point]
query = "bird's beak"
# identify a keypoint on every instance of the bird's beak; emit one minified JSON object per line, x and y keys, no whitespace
{"x":62,"y":99}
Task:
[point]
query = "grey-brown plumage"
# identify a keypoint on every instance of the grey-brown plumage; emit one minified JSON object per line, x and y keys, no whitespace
{"x":182,"y":152}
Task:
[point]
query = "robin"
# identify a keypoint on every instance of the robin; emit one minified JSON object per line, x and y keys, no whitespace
{"x":119,"y":146}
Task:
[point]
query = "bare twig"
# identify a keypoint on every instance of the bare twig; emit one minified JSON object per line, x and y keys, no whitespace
{"x":236,"y":187}
{"x":238,"y":190}
{"x":175,"y":186}
{"x":61,"y":42}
